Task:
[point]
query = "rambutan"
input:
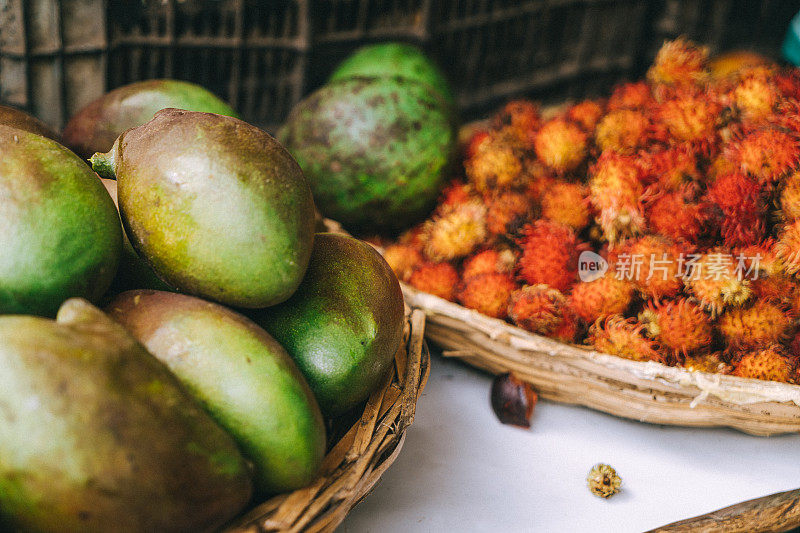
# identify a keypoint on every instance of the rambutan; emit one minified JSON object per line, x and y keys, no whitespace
{"x":498,"y":162}
{"x":487,"y":293}
{"x":765,"y":270}
{"x":755,"y":94}
{"x":561,"y":145}
{"x":630,"y":96}
{"x":790,"y":197}
{"x":403,"y":258}
{"x":670,"y":168}
{"x":761,"y":323}
{"x":415,"y":236}
{"x":717,"y":281}
{"x":676,"y":214}
{"x":788,"y":247}
{"x":679,"y":62}
{"x":489,"y":261}
{"x":711,"y":363}
{"x":740,"y":200}
{"x":540,"y":180}
{"x":788,"y":82}
{"x":652,"y":264}
{"x":690,"y":116}
{"x":537,"y":308}
{"x":507,"y":212}
{"x":719,"y":166}
{"x":616,"y":335}
{"x":439,"y":279}
{"x":766,"y":153}
{"x":569,"y":329}
{"x":549,"y":254}
{"x":455,"y":193}
{"x":680,"y":326}
{"x":520,"y":115}
{"x":772,"y":363}
{"x":586,"y":114}
{"x":567,"y":203}
{"x":622,"y":130}
{"x":477,"y":138}
{"x":601,"y":297}
{"x":456,"y":231}
{"x":616,"y":191}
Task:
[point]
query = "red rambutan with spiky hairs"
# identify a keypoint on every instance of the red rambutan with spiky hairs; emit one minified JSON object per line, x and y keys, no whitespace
{"x":477,"y":138}
{"x":767,"y":153}
{"x":688,"y":115}
{"x":586,"y":114}
{"x":789,"y":199}
{"x":680,"y":326}
{"x":740,"y":199}
{"x":489,"y":261}
{"x":755,"y":93}
{"x":788,"y":82}
{"x":498,"y":161}
{"x":763,"y":322}
{"x":487,"y":293}
{"x":520,"y":115}
{"x":455,"y":193}
{"x":656,"y":274}
{"x":601,"y":297}
{"x":439,"y":279}
{"x":567,"y":203}
{"x":635,"y":95}
{"x":676,"y":214}
{"x":540,"y":180}
{"x":715,"y":279}
{"x":455,"y":232}
{"x":623,"y":131}
{"x":787,"y":116}
{"x":772,"y":363}
{"x":788,"y":247}
{"x":549,"y":255}
{"x":671,"y":167}
{"x":403,"y":259}
{"x":623,"y":337}
{"x":679,"y":62}
{"x":561,"y":145}
{"x":507,"y":212}
{"x":616,"y":190}
{"x":537,"y":308}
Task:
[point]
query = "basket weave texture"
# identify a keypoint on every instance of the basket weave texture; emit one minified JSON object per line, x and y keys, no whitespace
{"x":358,"y":460}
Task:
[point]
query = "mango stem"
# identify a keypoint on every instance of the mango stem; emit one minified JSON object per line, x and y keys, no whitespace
{"x":104,"y":164}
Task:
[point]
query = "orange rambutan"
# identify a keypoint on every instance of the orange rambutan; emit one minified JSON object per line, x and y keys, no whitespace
{"x":679,"y":62}
{"x":789,"y":199}
{"x":766,"y":153}
{"x":456,"y":231}
{"x":567,"y":203}
{"x":740,"y":200}
{"x":788,"y":82}
{"x":715,"y":278}
{"x":788,"y":247}
{"x":616,"y":192}
{"x":622,"y":130}
{"x":586,"y":114}
{"x":497,"y":162}
{"x":487,"y":293}
{"x":537,"y":308}
{"x":652,"y":263}
{"x":522,"y":116}
{"x":455,"y":193}
{"x":711,"y":363}
{"x":719,"y":166}
{"x":507,"y":212}
{"x":690,"y":116}
{"x":755,"y":94}
{"x":616,"y":335}
{"x":671,"y":167}
{"x":477,"y":138}
{"x":414,"y":236}
{"x":569,"y":329}
{"x":540,"y":180}
{"x":439,"y":279}
{"x":601,"y":297}
{"x":772,"y":363}
{"x":762,"y":266}
{"x":549,"y":254}
{"x":680,"y":326}
{"x":488,"y":261}
{"x":561,"y":145}
{"x":676,"y":214}
{"x":403,"y":258}
{"x":761,"y":323}
{"x":635,"y":95}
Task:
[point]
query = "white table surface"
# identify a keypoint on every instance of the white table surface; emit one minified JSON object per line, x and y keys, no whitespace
{"x":461,"y":470}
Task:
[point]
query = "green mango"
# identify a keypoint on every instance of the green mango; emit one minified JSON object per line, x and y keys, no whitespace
{"x":217,"y":207}
{"x":344,"y":324}
{"x":60,"y":231}
{"x":394,"y":59}
{"x":97,"y":435}
{"x":15,"y":118}
{"x":376,"y":151}
{"x":133,"y":271}
{"x":242,"y":377}
{"x":96,"y":126}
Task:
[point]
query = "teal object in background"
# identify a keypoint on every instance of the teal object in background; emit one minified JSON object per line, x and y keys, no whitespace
{"x":791,"y":45}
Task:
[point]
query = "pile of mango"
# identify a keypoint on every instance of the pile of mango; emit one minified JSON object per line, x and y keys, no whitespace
{"x":166,"y":362}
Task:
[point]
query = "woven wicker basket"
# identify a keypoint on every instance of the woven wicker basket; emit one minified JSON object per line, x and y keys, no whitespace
{"x":358,"y":460}
{"x":648,"y":392}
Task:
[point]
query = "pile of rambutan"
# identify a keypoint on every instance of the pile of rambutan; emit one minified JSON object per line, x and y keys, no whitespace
{"x":686,"y":188}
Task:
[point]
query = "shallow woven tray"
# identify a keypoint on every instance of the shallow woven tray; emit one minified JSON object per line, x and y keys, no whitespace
{"x":355,"y":464}
{"x":644,"y":391}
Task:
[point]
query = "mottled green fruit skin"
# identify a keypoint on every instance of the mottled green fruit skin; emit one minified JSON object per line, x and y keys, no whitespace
{"x":60,"y":231}
{"x":97,"y":435}
{"x":15,"y":118}
{"x":96,"y":126}
{"x":344,"y":324}
{"x":218,"y":208}
{"x":133,"y":271}
{"x":376,"y":151}
{"x":242,"y":377}
{"x":394,"y":59}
